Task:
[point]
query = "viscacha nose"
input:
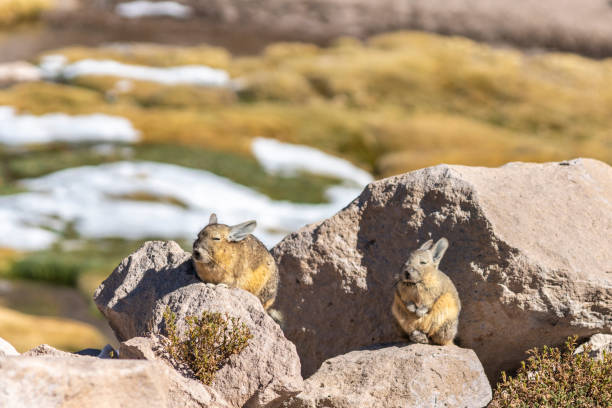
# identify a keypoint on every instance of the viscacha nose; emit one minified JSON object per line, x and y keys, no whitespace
{"x":197,"y":254}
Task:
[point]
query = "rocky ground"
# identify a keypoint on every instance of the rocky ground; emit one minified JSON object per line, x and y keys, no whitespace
{"x":519,"y":235}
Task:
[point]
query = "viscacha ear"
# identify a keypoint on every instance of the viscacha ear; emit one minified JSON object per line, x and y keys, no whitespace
{"x":240,"y":231}
{"x":427,"y":245}
{"x":212,"y":219}
{"x":438,"y":250}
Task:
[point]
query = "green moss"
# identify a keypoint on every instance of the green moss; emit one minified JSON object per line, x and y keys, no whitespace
{"x":210,"y":340}
{"x":48,"y":159}
{"x":46,"y":267}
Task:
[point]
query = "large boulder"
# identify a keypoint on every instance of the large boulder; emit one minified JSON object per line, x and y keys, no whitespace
{"x":92,"y":382}
{"x":160,"y":275}
{"x":417,"y":375}
{"x":529,"y":253}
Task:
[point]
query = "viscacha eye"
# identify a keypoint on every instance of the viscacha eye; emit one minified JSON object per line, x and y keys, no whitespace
{"x":216,"y":238}
{"x":423,"y":262}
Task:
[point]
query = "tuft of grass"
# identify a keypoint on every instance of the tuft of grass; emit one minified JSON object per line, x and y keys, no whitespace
{"x":552,"y":378}
{"x":210,"y":340}
{"x":17,"y":11}
{"x":46,"y":267}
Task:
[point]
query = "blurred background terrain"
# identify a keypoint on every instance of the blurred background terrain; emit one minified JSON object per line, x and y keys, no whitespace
{"x":126,"y":121}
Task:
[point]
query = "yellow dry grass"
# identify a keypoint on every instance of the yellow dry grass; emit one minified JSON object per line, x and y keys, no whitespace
{"x":25,"y":332}
{"x":397,"y":102}
{"x":15,"y":11}
{"x":150,"y":54}
{"x":7,"y":257}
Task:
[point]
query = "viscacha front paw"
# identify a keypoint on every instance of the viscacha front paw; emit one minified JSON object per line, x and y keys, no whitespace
{"x":422,"y":311}
{"x":418,"y":337}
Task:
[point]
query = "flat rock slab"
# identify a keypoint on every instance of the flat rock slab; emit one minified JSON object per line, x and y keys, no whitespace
{"x":71,"y":382}
{"x":399,"y":376}
{"x":160,"y":275}
{"x":529,"y":253}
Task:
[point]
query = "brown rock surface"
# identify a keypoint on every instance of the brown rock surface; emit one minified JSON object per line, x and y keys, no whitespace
{"x":529,"y":253}
{"x":160,"y":275}
{"x":397,"y":376}
{"x":92,"y":382}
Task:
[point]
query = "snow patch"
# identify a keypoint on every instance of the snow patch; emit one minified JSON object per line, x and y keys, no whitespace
{"x":55,"y":67}
{"x":96,"y":200}
{"x":29,"y":129}
{"x":138,"y":9}
{"x":289,"y":159}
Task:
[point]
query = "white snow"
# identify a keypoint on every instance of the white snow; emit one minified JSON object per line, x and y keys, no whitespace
{"x":138,"y":9}
{"x":16,"y":229}
{"x":285,"y":158}
{"x":93,"y":198}
{"x":52,"y":65}
{"x":18,"y":71}
{"x":29,"y":129}
{"x":7,"y":348}
{"x":55,"y":67}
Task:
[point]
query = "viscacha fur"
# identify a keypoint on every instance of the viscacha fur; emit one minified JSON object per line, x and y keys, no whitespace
{"x":230,"y":255}
{"x":426,"y":303}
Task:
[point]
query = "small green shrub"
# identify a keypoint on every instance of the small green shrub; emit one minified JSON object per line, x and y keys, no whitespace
{"x":210,"y":340}
{"x":551,"y":378}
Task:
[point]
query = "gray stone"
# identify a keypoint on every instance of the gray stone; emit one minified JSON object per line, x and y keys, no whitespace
{"x":92,"y":382}
{"x":529,"y":254}
{"x":45,"y":350}
{"x":160,"y":275}
{"x":600,"y":344}
{"x":139,"y":348}
{"x":398,"y":376}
